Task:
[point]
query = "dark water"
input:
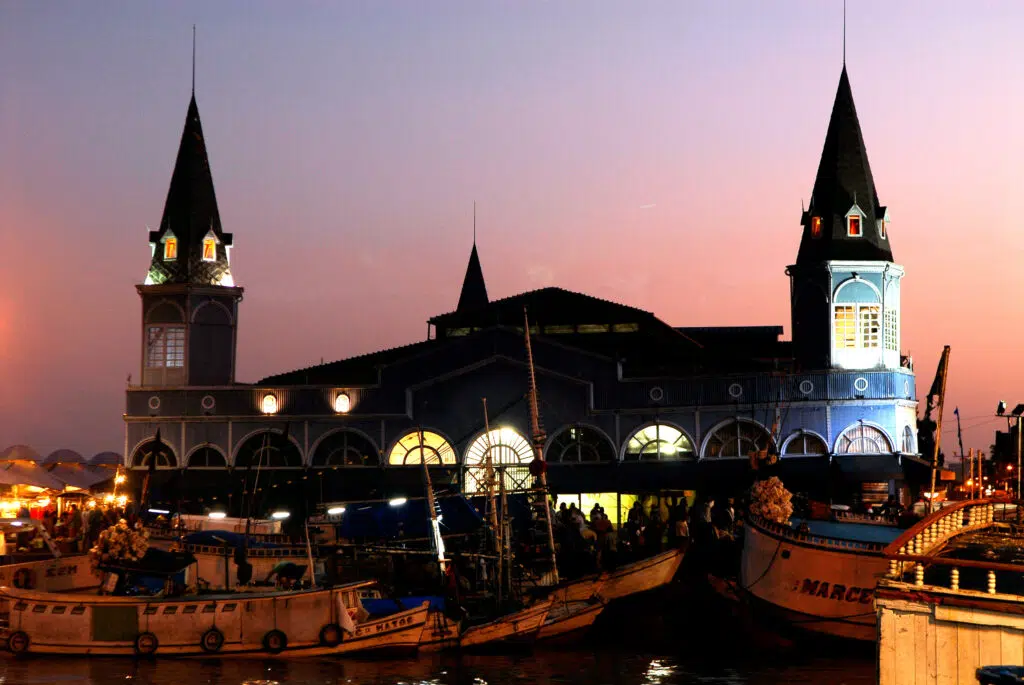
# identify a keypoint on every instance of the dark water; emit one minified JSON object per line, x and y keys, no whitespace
{"x":728,"y":664}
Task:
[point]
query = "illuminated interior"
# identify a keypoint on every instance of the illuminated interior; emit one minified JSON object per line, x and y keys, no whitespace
{"x":209,"y":249}
{"x":408,"y":450}
{"x":269,"y":404}
{"x":659,"y":442}
{"x":507,"y":450}
{"x":342,"y":403}
{"x":170,"y":249}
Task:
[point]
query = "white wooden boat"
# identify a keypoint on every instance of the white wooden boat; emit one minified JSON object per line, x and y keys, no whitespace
{"x":629,"y":579}
{"x":286,"y":624}
{"x":821,"y":579}
{"x":569,"y":620}
{"x":952,"y":600}
{"x":521,"y":626}
{"x":50,"y":571}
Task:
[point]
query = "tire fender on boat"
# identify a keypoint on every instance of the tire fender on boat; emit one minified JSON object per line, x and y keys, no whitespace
{"x":211,"y":641}
{"x":275,"y":641}
{"x":331,"y":635}
{"x":146,"y":644}
{"x":24,"y":578}
{"x":18,"y":642}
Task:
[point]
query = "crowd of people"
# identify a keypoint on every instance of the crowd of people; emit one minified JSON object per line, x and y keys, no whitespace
{"x":587,"y":543}
{"x":76,"y":527}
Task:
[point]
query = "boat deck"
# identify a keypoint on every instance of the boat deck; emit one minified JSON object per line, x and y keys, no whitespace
{"x":856,"y":532}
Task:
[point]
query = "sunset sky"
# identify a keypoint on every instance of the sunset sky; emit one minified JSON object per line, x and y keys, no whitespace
{"x":653,"y":153}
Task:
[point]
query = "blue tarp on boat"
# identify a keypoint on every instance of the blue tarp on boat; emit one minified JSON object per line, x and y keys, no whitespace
{"x":408,"y":520}
{"x":386,"y":607}
{"x":859,"y":532}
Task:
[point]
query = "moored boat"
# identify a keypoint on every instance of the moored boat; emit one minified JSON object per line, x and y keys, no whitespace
{"x":629,"y":579}
{"x":569,"y":620}
{"x":817,"y":575}
{"x":952,"y":600}
{"x":286,"y":624}
{"x":520,"y":626}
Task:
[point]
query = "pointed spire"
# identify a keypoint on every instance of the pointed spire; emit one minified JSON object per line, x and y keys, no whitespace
{"x":191,"y":215}
{"x":843,"y":181}
{"x":474,"y":292}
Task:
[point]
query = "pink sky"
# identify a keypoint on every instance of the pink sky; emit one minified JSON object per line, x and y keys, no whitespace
{"x":652,"y":154}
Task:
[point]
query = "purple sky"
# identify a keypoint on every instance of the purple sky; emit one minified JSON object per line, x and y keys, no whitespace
{"x":651,"y":153}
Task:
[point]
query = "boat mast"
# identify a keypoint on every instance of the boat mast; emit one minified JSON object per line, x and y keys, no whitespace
{"x":492,"y":512}
{"x":436,"y":543}
{"x":537,"y":433}
{"x":940,"y":386}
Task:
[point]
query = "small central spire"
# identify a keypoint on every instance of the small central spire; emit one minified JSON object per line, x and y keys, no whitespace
{"x":474,"y":223}
{"x":193,"y":60}
{"x":844,"y":33}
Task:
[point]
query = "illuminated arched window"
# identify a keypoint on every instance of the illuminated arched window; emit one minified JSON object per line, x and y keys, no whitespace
{"x":346,"y":448}
{"x":414,"y":446}
{"x":659,"y":442}
{"x":579,"y":444}
{"x":507,"y":451}
{"x":804,"y":444}
{"x":862,"y":439}
{"x":737,"y":439}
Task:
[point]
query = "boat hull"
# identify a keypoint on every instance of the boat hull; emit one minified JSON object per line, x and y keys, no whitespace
{"x":569,"y":621}
{"x":521,"y":626}
{"x":53,"y":623}
{"x":818,"y":589}
{"x":631,"y":579}
{"x":439,"y":632}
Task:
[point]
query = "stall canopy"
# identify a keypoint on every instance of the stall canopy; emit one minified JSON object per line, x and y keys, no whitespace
{"x":381,"y":520}
{"x":25,"y":474}
{"x":80,"y":477}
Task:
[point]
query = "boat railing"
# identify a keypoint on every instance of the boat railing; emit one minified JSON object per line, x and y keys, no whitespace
{"x":252,"y":552}
{"x":916,"y":551}
{"x":808,"y":538}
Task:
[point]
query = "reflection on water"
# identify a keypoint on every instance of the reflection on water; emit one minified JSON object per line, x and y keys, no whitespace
{"x":727,"y":665}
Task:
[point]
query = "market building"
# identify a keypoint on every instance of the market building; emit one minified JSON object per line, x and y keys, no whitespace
{"x":631,"y":404}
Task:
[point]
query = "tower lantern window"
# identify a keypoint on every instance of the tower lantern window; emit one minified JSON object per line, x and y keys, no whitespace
{"x":853,"y":228}
{"x":209,"y":250}
{"x":815,"y":226}
{"x":170,"y":249}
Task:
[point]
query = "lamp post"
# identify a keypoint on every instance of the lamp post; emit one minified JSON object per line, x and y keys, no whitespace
{"x":1016,"y":413}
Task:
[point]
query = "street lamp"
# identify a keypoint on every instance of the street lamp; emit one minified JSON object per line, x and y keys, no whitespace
{"x":1015,"y":414}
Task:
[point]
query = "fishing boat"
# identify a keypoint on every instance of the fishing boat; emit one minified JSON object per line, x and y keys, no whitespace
{"x":567,"y":621}
{"x":627,"y":580}
{"x":47,"y":569}
{"x":518,"y":627}
{"x":816,"y":575}
{"x":952,"y":598}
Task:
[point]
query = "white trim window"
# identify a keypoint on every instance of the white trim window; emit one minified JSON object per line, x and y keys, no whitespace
{"x":846,"y":326}
{"x":165,"y":347}
{"x":870,"y":326}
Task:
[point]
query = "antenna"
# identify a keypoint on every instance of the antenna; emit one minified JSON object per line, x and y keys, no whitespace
{"x":844,"y":33}
{"x":474,"y":222}
{"x":194,"y":59}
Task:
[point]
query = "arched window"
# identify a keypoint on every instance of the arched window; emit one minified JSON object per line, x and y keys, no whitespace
{"x":346,"y":448}
{"x":737,"y":439}
{"x":908,"y":441}
{"x":658,"y":442}
{"x":857,"y":316}
{"x":206,"y":458}
{"x":414,"y":446}
{"x":508,"y":452}
{"x":862,"y":439}
{"x":146,"y":452}
{"x":579,"y":444}
{"x":268,"y":450}
{"x":804,"y":444}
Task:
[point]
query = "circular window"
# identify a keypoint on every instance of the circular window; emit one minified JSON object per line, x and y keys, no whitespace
{"x":269,"y":404}
{"x":208,"y":402}
{"x":154,"y":402}
{"x":806,"y":387}
{"x":342,"y":403}
{"x":735,"y":390}
{"x":657,"y":394}
{"x":861,"y":384}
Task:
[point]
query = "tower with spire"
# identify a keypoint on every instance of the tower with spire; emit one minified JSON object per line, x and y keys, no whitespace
{"x":189,"y":298}
{"x":845,"y":286}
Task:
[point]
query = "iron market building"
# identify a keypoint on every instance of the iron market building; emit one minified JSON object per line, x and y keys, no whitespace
{"x":632,"y":405}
